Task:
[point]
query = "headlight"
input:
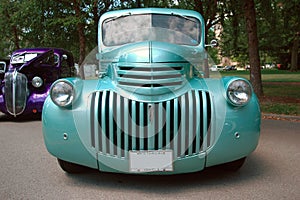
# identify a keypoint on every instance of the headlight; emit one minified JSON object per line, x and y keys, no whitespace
{"x":62,"y":93}
{"x":239,"y":92}
{"x":37,"y":82}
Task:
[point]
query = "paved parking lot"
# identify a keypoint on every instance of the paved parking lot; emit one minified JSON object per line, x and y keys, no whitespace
{"x":28,"y":171}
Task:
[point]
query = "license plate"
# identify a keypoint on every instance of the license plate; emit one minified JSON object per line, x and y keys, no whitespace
{"x":150,"y":161}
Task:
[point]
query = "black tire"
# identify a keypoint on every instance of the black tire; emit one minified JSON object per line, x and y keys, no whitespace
{"x":234,"y":165}
{"x":71,"y":168}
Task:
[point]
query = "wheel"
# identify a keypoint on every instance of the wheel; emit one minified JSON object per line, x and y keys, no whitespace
{"x":71,"y":168}
{"x":234,"y":165}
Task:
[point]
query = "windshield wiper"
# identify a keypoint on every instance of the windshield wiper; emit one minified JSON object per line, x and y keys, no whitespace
{"x":118,"y":17}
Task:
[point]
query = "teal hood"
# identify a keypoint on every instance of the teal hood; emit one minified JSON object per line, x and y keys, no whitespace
{"x":153,"y":52}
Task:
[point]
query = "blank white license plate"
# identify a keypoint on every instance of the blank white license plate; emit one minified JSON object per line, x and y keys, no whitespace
{"x":150,"y":161}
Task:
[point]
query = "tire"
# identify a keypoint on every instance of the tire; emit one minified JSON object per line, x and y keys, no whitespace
{"x":234,"y":165}
{"x":71,"y":168}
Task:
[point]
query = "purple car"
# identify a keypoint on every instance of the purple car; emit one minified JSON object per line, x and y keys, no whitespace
{"x":29,"y":76}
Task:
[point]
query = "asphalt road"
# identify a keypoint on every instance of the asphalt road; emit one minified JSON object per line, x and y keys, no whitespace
{"x":28,"y":171}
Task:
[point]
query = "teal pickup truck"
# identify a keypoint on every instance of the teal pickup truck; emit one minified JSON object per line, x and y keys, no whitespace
{"x":146,"y":106}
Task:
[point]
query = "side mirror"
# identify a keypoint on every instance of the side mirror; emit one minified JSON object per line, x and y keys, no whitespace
{"x":213,"y":43}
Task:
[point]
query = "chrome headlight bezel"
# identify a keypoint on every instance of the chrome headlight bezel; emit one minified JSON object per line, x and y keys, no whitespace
{"x":37,"y":82}
{"x":62,"y":93}
{"x":239,"y":92}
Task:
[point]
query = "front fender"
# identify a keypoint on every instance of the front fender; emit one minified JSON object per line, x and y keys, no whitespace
{"x":239,"y":136}
{"x":63,"y":140}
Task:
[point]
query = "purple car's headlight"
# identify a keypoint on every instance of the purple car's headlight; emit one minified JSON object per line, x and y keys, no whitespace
{"x":37,"y":82}
{"x":62,"y":93}
{"x":239,"y":92}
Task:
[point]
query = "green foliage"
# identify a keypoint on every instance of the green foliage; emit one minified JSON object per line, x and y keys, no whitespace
{"x":33,"y":23}
{"x":36,"y":23}
{"x":277,"y":22}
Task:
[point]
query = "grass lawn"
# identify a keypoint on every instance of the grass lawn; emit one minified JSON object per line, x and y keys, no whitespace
{"x":268,"y":75}
{"x":281,"y":90}
{"x":281,"y":98}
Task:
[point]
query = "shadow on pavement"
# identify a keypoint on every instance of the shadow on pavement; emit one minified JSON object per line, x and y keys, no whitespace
{"x":8,"y":118}
{"x":213,"y":176}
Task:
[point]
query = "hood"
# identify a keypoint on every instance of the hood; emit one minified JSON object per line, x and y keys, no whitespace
{"x":153,"y":52}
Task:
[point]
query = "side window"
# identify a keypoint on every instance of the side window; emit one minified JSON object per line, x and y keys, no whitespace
{"x":2,"y":67}
{"x":49,"y":60}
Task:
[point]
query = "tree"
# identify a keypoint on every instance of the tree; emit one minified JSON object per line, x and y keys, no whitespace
{"x":73,"y":24}
{"x":291,"y":14}
{"x":295,"y":47}
{"x":10,"y":29}
{"x":255,"y":73}
{"x":234,"y":44}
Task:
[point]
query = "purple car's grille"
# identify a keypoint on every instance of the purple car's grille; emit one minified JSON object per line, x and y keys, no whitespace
{"x":119,"y":124}
{"x":15,"y":92}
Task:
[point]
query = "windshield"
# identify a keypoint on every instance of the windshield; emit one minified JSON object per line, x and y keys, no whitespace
{"x":25,"y":57}
{"x":174,"y":29}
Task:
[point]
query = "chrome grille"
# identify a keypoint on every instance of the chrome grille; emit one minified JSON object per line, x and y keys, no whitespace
{"x":119,"y":125}
{"x":15,"y":92}
{"x":151,"y":75}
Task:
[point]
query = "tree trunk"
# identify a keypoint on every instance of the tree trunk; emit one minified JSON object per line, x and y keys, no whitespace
{"x":16,"y":37}
{"x":255,"y":72}
{"x":294,"y":59}
{"x":80,"y":30}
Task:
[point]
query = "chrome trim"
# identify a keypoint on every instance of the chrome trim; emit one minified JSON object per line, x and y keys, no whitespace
{"x":15,"y":92}
{"x":157,"y":77}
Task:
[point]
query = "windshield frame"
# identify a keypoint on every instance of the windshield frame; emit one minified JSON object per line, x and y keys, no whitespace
{"x":164,"y":30}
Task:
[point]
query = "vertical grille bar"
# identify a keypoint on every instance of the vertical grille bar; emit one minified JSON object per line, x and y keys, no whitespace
{"x":168,"y":125}
{"x":118,"y":113}
{"x":160,"y":126}
{"x":92,"y":119}
{"x":103,"y":122}
{"x":126,"y":125}
{"x":198,"y":136}
{"x":95,"y":127}
{"x":151,"y":125}
{"x":133,"y":124}
{"x":111,"y":122}
{"x":141,"y":126}
{"x":175,"y":128}
{"x":204,"y":119}
{"x":191,"y":133}
{"x":208,"y":121}
{"x":183,"y":126}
